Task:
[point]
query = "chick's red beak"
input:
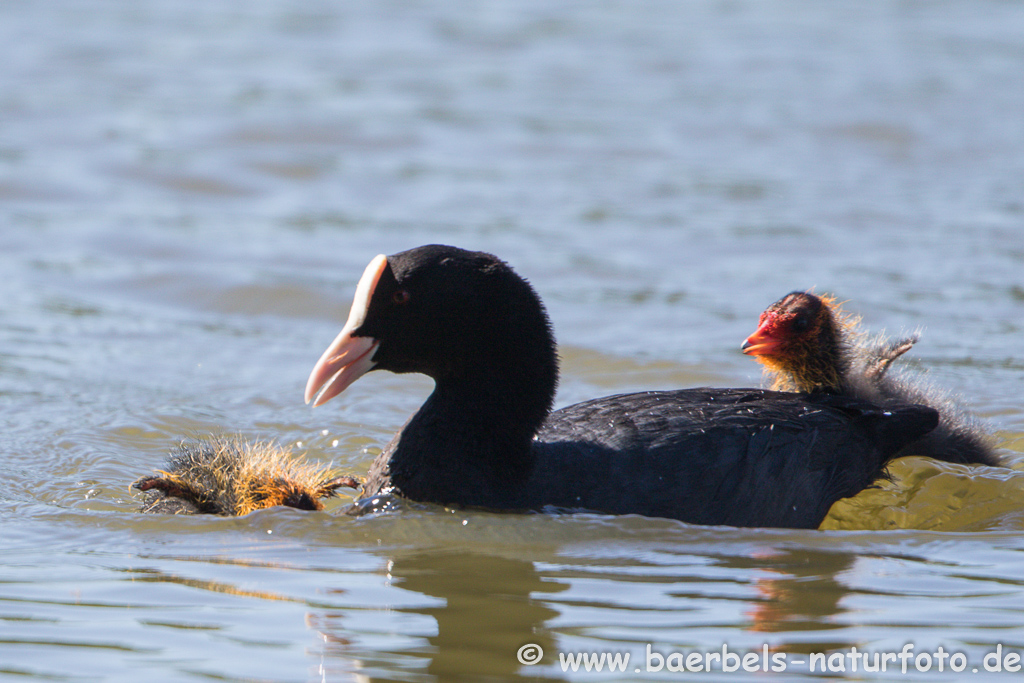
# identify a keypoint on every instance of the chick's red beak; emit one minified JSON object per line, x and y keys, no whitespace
{"x":763,"y":342}
{"x":349,"y":357}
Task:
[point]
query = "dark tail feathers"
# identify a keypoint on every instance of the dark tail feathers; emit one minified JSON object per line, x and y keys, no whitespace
{"x":897,"y":425}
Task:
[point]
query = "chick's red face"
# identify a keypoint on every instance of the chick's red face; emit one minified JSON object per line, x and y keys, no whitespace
{"x":782,"y":325}
{"x":769,"y":337}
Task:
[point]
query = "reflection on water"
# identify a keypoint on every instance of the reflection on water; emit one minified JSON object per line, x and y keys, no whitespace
{"x":188,"y":194}
{"x":926,"y":494}
{"x":470,"y":626}
{"x":433,"y":596}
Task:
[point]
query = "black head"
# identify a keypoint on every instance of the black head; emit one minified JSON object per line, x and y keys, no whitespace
{"x":444,"y":312}
{"x":460,"y":317}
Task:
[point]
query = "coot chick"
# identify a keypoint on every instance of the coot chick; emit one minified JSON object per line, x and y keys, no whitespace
{"x":222,"y":476}
{"x":486,"y":436}
{"x":808,"y":343}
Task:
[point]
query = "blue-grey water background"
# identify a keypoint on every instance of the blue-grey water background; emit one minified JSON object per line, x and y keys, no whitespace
{"x":189,"y":192}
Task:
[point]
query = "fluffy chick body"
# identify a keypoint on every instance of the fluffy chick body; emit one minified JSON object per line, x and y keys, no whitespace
{"x":233,"y":476}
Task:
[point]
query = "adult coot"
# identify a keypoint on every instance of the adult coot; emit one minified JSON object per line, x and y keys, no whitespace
{"x":486,"y":436}
{"x":808,"y":343}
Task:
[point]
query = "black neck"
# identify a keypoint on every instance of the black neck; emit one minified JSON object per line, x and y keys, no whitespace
{"x":495,"y":381}
{"x":472,"y":438}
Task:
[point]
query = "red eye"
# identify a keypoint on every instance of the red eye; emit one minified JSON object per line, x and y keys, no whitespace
{"x":401,"y":296}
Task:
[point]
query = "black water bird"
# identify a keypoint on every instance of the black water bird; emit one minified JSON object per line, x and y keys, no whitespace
{"x":487,"y":437}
